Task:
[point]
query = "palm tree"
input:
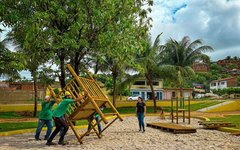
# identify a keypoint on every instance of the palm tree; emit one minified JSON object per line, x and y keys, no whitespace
{"x":148,"y":60}
{"x":183,"y":54}
{"x":9,"y":63}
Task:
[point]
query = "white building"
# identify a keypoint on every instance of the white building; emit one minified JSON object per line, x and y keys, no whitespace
{"x":142,"y":88}
{"x":223,"y":83}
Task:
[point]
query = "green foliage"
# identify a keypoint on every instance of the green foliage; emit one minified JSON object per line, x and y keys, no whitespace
{"x":46,"y":76}
{"x":202,"y":78}
{"x":10,"y":63}
{"x":108,"y":84}
{"x":9,"y":115}
{"x":227,"y":91}
{"x":217,"y":72}
{"x":238,"y":81}
{"x":182,"y":54}
{"x":17,"y":126}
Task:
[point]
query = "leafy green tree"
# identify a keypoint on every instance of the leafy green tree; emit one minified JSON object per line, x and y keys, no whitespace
{"x":238,"y":81}
{"x":10,"y":63}
{"x":72,"y":30}
{"x":123,"y":39}
{"x":228,"y":58}
{"x":183,"y":54}
{"x":29,"y":46}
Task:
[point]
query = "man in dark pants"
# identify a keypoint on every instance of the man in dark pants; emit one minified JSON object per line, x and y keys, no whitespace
{"x":60,"y":121}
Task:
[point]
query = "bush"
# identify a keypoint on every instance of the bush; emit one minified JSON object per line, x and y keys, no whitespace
{"x":227,"y":91}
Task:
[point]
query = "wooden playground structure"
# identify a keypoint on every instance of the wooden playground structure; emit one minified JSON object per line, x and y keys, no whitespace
{"x":180,"y":108}
{"x":172,"y":127}
{"x":87,"y":107}
{"x":215,"y":124}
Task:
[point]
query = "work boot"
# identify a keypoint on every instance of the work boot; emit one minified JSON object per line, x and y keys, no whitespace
{"x":50,"y":143}
{"x":62,"y":143}
{"x":38,"y":139}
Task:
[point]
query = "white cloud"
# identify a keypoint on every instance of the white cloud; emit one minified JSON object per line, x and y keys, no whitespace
{"x":217,"y":22}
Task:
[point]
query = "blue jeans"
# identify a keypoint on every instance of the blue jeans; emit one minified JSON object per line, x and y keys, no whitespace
{"x":99,"y":125}
{"x":97,"y":118}
{"x":140,"y":117}
{"x":41,"y":123}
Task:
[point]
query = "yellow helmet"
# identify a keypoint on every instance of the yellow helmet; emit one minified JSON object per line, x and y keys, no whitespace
{"x":67,"y":93}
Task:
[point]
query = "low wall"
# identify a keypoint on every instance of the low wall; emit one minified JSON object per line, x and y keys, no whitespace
{"x":19,"y":96}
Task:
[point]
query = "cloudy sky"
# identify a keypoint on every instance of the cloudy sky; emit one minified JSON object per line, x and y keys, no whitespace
{"x":216,"y":22}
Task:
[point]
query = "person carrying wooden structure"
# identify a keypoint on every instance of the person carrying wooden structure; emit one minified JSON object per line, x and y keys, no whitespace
{"x":89,"y":105}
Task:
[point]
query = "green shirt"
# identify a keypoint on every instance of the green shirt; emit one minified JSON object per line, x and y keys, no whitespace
{"x":62,"y":107}
{"x":46,"y":112}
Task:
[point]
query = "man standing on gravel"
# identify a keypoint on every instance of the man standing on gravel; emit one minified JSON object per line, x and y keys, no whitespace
{"x":45,"y":118}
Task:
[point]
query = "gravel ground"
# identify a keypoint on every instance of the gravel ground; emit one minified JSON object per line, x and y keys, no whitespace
{"x":125,"y":135}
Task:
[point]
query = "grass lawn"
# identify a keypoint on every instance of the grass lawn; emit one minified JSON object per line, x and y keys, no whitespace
{"x":122,"y":110}
{"x":17,"y":126}
{"x":203,"y":104}
{"x":235,"y":119}
{"x":14,"y":115}
{"x":10,"y":115}
{"x":150,"y":109}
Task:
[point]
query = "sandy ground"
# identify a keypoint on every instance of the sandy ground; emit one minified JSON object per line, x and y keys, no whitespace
{"x":125,"y":136}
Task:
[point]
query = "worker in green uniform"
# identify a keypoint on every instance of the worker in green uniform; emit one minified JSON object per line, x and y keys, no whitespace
{"x":45,"y":118}
{"x":60,"y":121}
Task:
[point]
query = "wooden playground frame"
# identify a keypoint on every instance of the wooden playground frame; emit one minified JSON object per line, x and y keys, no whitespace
{"x":180,"y":109}
{"x":87,"y":107}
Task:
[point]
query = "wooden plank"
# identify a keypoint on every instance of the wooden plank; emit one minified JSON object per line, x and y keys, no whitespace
{"x":236,"y":133}
{"x":172,"y":127}
{"x":214,"y":124}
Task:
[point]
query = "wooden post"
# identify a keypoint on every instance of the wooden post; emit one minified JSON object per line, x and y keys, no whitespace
{"x":183,"y":99}
{"x":177,"y":109}
{"x":172,"y":109}
{"x":74,"y":131}
{"x":189,"y":116}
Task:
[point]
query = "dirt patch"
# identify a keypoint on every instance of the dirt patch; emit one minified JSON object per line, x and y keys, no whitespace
{"x":25,"y":113}
{"x":19,"y":120}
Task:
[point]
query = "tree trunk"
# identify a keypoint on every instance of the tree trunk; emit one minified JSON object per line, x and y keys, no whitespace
{"x":62,"y":68}
{"x":121,"y":90}
{"x":150,"y":81}
{"x":114,"y":75}
{"x":96,"y":67}
{"x":76,"y":63}
{"x":35,"y":92}
{"x":181,"y":91}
